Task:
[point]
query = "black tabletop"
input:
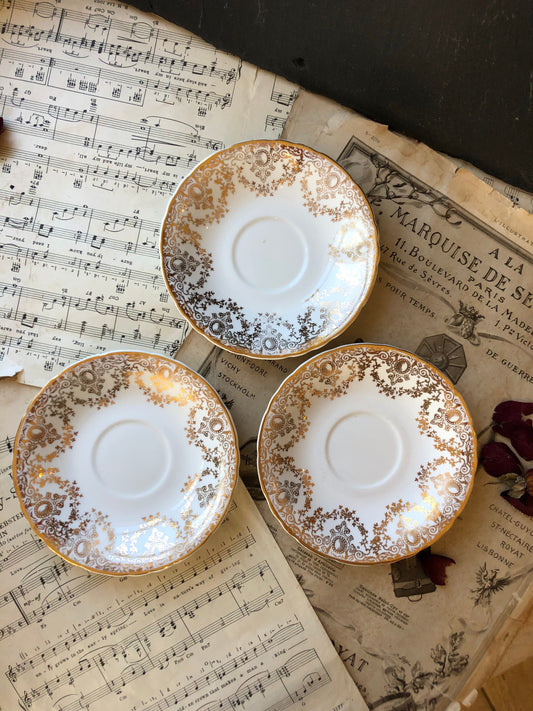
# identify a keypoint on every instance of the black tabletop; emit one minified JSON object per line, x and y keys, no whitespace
{"x":457,"y":75}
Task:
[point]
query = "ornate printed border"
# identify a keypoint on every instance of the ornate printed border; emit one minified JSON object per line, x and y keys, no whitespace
{"x":339,"y":533}
{"x":261,"y":168}
{"x":54,"y":505}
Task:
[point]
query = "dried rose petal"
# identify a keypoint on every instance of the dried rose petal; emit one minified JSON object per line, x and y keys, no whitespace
{"x":498,"y":459}
{"x":512,"y":411}
{"x":435,"y":566}
{"x":523,"y":504}
{"x":522,"y":439}
{"x":516,"y":484}
{"x":528,"y":476}
{"x":509,"y":413}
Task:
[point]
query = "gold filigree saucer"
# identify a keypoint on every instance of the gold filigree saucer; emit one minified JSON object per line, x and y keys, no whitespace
{"x":125,"y":462}
{"x":269,"y":249}
{"x":366,"y":454}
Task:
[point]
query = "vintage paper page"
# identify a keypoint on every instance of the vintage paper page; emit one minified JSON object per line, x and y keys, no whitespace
{"x":105,"y":110}
{"x":228,"y":628}
{"x":519,"y":198}
{"x":455,"y":286}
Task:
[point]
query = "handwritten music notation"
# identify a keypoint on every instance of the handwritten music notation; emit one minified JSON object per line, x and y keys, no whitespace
{"x":105,"y":110}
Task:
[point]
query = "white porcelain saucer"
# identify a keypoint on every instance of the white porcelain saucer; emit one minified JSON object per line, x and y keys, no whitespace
{"x":269,"y":249}
{"x":366,"y":454}
{"x":125,"y":462}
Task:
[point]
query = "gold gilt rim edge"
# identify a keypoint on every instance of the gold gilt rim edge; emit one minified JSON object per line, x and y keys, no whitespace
{"x":473,"y":468}
{"x":239,"y":350}
{"x":44,"y":538}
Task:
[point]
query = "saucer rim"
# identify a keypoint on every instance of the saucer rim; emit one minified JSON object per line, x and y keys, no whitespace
{"x":48,"y":542}
{"x":241,"y":350}
{"x":375,"y":346}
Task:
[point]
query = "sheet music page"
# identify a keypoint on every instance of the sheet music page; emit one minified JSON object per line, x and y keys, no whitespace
{"x":105,"y":110}
{"x":454,"y":286}
{"x":227,"y":628}
{"x":519,"y":198}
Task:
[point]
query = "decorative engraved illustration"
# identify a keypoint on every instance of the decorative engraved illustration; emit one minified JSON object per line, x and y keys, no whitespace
{"x":444,"y":353}
{"x":420,"y":688}
{"x":384,"y":181}
{"x":488,"y":583}
{"x":464,"y":322}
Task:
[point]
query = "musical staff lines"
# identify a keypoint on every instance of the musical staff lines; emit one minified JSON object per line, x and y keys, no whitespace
{"x":137,"y":654}
{"x":275,"y":122}
{"x":50,"y":301}
{"x":77,"y":265}
{"x":106,"y":149}
{"x":45,"y":118}
{"x":52,"y":580}
{"x":286,"y":634}
{"x":311,"y":673}
{"x":92,"y":240}
{"x":108,"y":83}
{"x":99,"y":174}
{"x":281,"y":96}
{"x":6,"y":445}
{"x":105,"y":110}
{"x":43,"y":591}
{"x":21,"y":553}
{"x":115,"y":43}
{"x":64,"y":211}
{"x":60,"y":354}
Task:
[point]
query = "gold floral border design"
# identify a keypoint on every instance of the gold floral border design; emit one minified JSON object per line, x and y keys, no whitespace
{"x":53,"y":504}
{"x":262,"y":168}
{"x":339,"y":533}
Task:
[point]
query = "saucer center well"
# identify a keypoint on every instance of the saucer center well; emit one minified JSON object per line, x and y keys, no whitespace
{"x":364,"y":449}
{"x":270,"y":254}
{"x":131,"y":458}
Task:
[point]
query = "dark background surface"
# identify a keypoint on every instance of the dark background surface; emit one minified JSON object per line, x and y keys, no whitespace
{"x":457,"y":75}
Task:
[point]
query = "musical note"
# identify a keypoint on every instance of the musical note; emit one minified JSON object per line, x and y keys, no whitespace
{"x":6,"y":445}
{"x":274,"y":122}
{"x":92,"y":150}
{"x":132,"y":643}
{"x":283,"y":97}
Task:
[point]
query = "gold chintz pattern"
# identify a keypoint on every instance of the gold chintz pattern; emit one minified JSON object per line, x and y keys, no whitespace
{"x":265,"y":169}
{"x":438,"y":490}
{"x":53,"y":499}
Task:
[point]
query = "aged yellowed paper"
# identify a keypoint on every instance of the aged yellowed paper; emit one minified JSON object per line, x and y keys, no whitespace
{"x":454,"y":286}
{"x":228,"y":628}
{"x":105,"y":109}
